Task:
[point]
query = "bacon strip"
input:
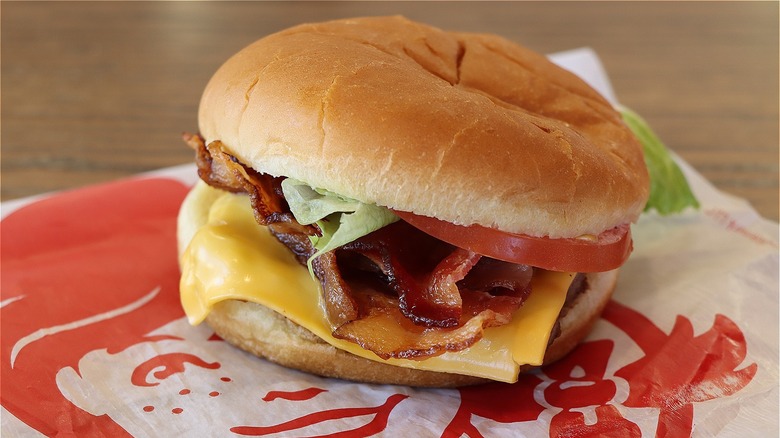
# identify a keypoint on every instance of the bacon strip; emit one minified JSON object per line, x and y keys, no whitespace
{"x":440,"y":294}
{"x":498,"y":276}
{"x":385,"y":331}
{"x":339,"y":304}
{"x":220,"y":169}
{"x":427,"y":272}
{"x":408,"y":258}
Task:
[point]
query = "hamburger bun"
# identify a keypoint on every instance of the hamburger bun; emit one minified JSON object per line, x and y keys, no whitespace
{"x":467,"y":128}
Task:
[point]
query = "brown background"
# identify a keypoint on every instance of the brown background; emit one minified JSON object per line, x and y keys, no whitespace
{"x":96,"y":91}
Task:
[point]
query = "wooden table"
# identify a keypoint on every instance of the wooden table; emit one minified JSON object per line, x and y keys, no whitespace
{"x":97,"y":91}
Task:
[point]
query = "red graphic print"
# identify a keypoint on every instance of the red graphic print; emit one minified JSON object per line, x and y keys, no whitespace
{"x":497,"y":401}
{"x":91,"y":252}
{"x":609,"y":423}
{"x":579,"y":377}
{"x":679,"y":369}
{"x":304,"y":394}
{"x":376,"y":425}
{"x":171,"y":363}
{"x":580,"y":382}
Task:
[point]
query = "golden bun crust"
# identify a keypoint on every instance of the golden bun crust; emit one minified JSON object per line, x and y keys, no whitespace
{"x":468,"y":128}
{"x":265,"y":333}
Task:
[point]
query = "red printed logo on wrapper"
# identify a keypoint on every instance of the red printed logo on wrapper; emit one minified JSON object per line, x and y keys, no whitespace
{"x":676,"y":371}
{"x":87,"y":270}
{"x":94,"y":343}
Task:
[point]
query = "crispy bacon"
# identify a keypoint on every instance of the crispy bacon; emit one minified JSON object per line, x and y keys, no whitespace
{"x":384,"y":330}
{"x":408,"y":258}
{"x":339,"y":304}
{"x":397,"y":291}
{"x":216,"y":174}
{"x":440,"y":292}
{"x":430,"y":304}
{"x":497,"y":276}
{"x":220,"y":169}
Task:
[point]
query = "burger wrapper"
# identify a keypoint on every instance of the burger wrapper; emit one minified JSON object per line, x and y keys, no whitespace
{"x":94,"y":341}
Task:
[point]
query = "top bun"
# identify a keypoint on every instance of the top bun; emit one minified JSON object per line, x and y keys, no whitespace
{"x":467,"y":128}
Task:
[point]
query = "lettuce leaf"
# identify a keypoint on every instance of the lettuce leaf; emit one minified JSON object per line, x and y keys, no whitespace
{"x":341,"y":220}
{"x":669,"y":190}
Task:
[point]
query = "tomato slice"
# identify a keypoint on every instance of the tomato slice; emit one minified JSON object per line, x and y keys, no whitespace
{"x":604,"y":252}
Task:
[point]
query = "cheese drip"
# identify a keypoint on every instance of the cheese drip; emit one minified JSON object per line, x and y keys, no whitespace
{"x":231,"y":257}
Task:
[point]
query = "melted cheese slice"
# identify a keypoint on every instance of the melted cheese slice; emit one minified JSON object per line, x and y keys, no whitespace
{"x":231,"y":257}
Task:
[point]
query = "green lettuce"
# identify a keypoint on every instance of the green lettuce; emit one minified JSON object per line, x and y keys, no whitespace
{"x":341,"y":220}
{"x":669,"y":190}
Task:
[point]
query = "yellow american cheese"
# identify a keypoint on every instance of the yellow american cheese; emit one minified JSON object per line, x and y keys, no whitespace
{"x":231,"y":257}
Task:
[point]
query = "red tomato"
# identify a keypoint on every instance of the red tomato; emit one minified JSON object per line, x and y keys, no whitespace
{"x":606,"y":251}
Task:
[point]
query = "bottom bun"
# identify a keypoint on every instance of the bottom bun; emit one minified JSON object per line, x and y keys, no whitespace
{"x":265,"y":333}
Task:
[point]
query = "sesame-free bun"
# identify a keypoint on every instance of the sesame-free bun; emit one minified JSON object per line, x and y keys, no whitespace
{"x":467,"y":128}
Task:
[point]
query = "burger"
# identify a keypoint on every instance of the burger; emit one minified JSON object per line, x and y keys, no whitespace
{"x":384,"y":201}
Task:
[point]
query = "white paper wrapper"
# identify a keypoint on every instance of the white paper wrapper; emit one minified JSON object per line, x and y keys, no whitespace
{"x":94,"y":341}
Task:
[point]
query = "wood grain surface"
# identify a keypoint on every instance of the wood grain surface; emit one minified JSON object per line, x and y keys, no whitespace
{"x":96,"y":91}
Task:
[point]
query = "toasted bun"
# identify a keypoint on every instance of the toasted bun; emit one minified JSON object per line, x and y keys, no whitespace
{"x":265,"y":333}
{"x":467,"y":128}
